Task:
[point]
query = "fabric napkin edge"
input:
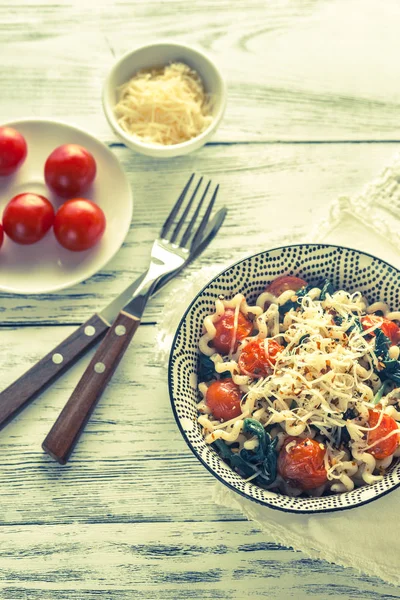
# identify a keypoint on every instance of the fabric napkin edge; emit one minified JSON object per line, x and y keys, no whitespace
{"x":226,"y":498}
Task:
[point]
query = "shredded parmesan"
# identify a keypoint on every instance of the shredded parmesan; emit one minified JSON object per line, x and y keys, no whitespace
{"x":322,"y":386}
{"x":164,"y":106}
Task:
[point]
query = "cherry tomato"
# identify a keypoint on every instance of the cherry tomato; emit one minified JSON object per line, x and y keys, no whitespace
{"x":223,"y":398}
{"x":255,"y":362}
{"x":69,"y":170}
{"x":303,"y":465}
{"x":13,"y":150}
{"x":27,"y":218}
{"x":388,"y":327}
{"x":285,"y":282}
{"x":384,"y":448}
{"x":79,"y":224}
{"x":1,"y":235}
{"x":225,"y":331}
{"x":273,"y":348}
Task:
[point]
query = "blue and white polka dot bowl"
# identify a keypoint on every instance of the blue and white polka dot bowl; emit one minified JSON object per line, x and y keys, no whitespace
{"x":348,"y":269}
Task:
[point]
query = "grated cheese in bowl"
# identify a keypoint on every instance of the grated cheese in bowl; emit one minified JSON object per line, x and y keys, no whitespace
{"x":164,"y":106}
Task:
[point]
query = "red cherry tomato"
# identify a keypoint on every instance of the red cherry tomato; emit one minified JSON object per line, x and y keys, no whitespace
{"x":27,"y":218}
{"x":223,"y":398}
{"x":13,"y":150}
{"x":255,"y":362}
{"x":1,"y":235}
{"x":389,"y":328}
{"x":383,"y":448}
{"x":303,"y":465}
{"x":79,"y":224}
{"x":69,"y":170}
{"x":285,"y":282}
{"x":225,"y":331}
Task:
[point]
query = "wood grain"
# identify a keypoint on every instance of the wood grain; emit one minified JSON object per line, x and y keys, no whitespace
{"x":131,"y":515}
{"x":51,"y":366}
{"x":168,"y":561}
{"x":286,"y":186}
{"x":304,"y":70}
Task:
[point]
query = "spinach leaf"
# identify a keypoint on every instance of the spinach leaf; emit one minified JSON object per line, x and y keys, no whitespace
{"x":206,"y":370}
{"x":234,"y":459}
{"x":264,"y":454}
{"x":391,"y":371}
{"x":254,"y":427}
{"x":269,"y":466}
{"x":247,"y":462}
{"x":356,"y":326}
{"x":290,"y":304}
{"x":381,"y":392}
{"x":326,"y":287}
{"x":390,"y":368}
{"x":382,"y":345}
{"x":225,"y":375}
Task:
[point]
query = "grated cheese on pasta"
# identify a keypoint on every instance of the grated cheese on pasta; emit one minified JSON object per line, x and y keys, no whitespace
{"x":326,"y":370}
{"x":164,"y":106}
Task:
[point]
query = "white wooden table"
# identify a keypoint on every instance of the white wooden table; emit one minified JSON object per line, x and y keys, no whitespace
{"x":314,"y":111}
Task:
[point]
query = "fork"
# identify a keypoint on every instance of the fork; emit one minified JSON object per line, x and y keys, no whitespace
{"x":170,"y":250}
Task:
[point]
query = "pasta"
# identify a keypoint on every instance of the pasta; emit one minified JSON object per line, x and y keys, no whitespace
{"x":300,"y":392}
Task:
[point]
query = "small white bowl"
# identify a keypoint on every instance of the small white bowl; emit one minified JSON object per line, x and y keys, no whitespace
{"x":157,"y":55}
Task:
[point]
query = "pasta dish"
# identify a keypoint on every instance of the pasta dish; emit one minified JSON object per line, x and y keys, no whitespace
{"x":300,"y":393}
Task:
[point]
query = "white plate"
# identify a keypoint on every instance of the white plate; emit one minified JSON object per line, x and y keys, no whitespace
{"x":46,"y":266}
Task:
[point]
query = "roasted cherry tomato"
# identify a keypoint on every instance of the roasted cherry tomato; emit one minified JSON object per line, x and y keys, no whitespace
{"x":285,"y":282}
{"x":383,"y":448}
{"x":223,"y":398}
{"x":13,"y":150}
{"x":225,"y":331}
{"x":79,"y":224}
{"x":69,"y":170}
{"x":303,"y":465}
{"x":1,"y":235}
{"x":27,"y":218}
{"x":255,"y":361}
{"x":389,"y":328}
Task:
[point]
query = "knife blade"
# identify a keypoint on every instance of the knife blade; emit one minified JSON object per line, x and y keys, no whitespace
{"x":16,"y":396}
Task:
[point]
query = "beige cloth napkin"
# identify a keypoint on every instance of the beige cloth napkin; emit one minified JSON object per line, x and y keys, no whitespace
{"x":366,"y":538}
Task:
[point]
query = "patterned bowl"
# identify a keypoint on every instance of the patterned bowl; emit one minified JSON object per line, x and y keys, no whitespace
{"x":348,"y":269}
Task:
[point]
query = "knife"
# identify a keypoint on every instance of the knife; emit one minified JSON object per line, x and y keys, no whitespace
{"x":15,"y":397}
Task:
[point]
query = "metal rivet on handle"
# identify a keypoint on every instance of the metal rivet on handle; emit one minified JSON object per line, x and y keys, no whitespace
{"x":99,"y":367}
{"x":120,"y":330}
{"x":57,"y":358}
{"x":90,"y":330}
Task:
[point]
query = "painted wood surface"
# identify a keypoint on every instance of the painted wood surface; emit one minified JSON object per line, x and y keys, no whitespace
{"x":303,"y":70}
{"x":168,"y":561}
{"x":132,"y":514}
{"x":266,"y":187}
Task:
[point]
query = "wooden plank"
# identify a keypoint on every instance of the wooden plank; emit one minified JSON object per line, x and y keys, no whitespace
{"x":165,"y":561}
{"x":273,"y":193}
{"x":305,"y":70}
{"x":130,"y":461}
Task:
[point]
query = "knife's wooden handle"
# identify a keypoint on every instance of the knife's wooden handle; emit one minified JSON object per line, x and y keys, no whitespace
{"x":65,"y":432}
{"x":51,"y":366}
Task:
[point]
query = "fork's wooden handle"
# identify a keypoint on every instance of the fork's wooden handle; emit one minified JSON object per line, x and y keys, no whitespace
{"x":65,"y":432}
{"x":14,"y":398}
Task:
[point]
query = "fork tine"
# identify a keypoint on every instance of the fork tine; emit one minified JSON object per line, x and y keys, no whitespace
{"x":185,"y":213}
{"x":205,"y":218}
{"x":175,"y":209}
{"x":193,"y":220}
